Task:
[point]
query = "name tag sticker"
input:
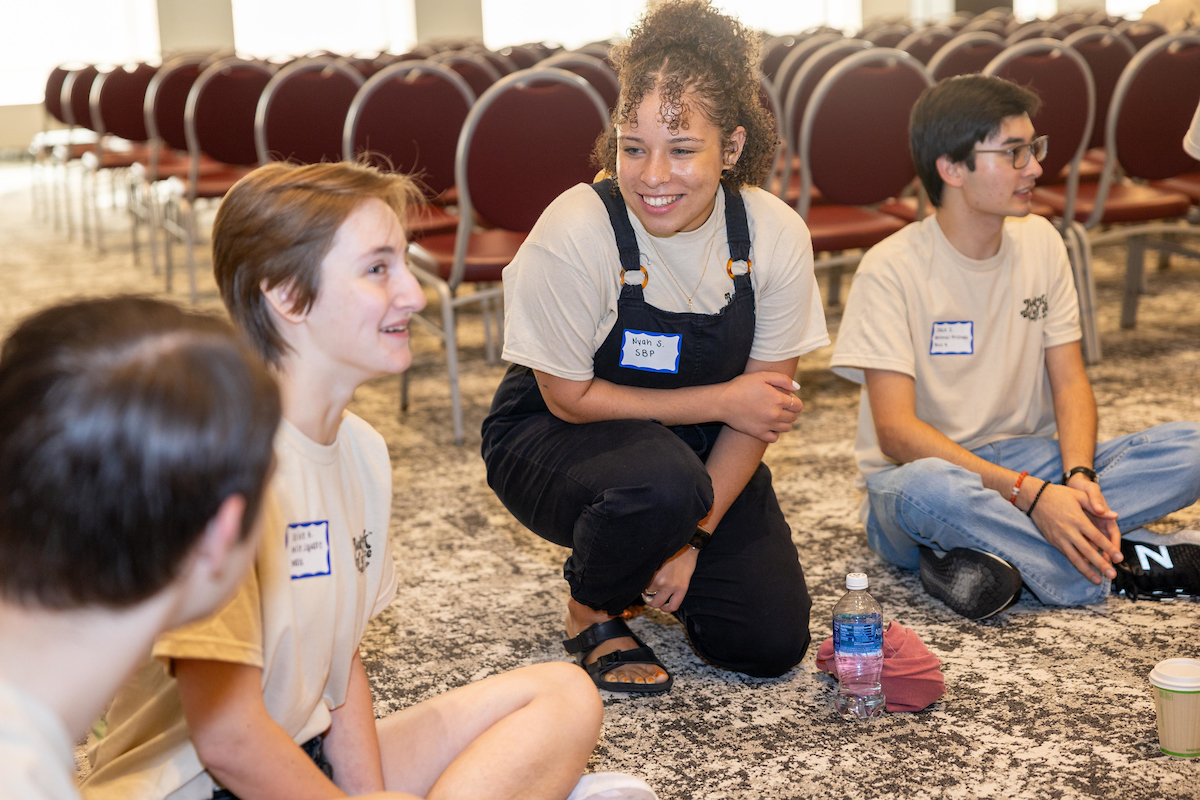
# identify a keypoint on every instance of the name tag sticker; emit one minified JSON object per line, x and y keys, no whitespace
{"x":308,"y":549}
{"x":952,"y":339}
{"x":651,"y":352}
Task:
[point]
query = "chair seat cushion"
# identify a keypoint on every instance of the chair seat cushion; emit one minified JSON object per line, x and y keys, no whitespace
{"x":488,"y":253}
{"x":218,"y":182}
{"x":906,"y":209}
{"x":429,"y":221}
{"x":1126,"y":202}
{"x":446,"y":198}
{"x":1188,"y":184}
{"x":836,"y":228}
{"x":1089,"y":172}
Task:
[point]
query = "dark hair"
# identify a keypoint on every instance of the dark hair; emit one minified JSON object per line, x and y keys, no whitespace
{"x":952,"y":116}
{"x":276,"y":225}
{"x":124,"y":424}
{"x":688,"y":45}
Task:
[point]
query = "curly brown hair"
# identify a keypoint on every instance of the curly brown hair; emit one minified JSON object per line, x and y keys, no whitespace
{"x":687,"y":45}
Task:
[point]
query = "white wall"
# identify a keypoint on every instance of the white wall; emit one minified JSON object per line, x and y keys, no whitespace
{"x":194,"y":25}
{"x":449,"y":19}
{"x":18,"y":124}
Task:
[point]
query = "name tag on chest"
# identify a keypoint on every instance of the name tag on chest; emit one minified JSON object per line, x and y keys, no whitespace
{"x":308,"y":549}
{"x":651,"y":352}
{"x":952,"y":339}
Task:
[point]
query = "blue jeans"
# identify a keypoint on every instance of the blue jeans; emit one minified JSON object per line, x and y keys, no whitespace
{"x":932,"y":502}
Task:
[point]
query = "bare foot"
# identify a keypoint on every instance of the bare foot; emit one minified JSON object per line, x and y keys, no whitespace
{"x":580,"y":617}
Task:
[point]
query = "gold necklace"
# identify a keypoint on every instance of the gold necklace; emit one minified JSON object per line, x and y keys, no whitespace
{"x":707,"y":257}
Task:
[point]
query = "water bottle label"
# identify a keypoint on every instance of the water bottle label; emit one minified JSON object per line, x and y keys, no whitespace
{"x":859,"y":638}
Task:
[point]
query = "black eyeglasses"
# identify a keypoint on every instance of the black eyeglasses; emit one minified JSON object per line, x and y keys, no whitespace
{"x":1022,"y":152}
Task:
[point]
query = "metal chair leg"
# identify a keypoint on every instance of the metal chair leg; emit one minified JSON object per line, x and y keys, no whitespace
{"x":1134,"y":268}
{"x":451,"y":338}
{"x":191,"y":246}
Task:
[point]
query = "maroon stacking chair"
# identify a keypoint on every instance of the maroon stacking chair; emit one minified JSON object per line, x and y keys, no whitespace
{"x":1060,"y":76}
{"x":1070,"y":23}
{"x":1141,"y":33}
{"x":1151,"y":109}
{"x":965,"y":54}
{"x":407,"y":118}
{"x":366,"y":67}
{"x":853,"y":163}
{"x":600,"y":50}
{"x":769,"y":98}
{"x":774,"y":51}
{"x":528,"y":139}
{"x":50,"y":184}
{"x":302,"y":112}
{"x":1035,"y":30}
{"x":117,"y":104}
{"x":923,"y":44}
{"x":75,"y":105}
{"x":592,"y":70}
{"x":218,"y":123}
{"x":796,"y":57}
{"x":477,"y":71}
{"x":888,"y":35}
{"x":789,"y":167}
{"x":795,"y":102}
{"x":982,"y":24}
{"x":522,"y":55}
{"x":1103,"y":18}
{"x":503,"y":64}
{"x":957,"y":21}
{"x":1107,"y":53}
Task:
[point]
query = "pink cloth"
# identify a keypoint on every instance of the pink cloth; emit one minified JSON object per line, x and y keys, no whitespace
{"x":912,"y":676}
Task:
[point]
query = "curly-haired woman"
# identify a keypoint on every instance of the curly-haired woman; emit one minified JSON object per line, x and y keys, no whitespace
{"x":654,"y":320}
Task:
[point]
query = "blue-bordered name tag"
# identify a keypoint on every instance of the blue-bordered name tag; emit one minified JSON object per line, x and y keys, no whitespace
{"x":308,"y":549}
{"x":952,"y":339}
{"x":651,"y":352}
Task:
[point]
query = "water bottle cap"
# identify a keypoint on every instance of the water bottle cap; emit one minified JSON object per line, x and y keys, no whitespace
{"x":856,"y":581}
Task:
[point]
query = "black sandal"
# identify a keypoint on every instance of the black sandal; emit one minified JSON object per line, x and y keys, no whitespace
{"x":595,"y":635}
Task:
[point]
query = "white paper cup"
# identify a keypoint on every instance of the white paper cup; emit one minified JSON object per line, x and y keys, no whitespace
{"x":1175,"y":684}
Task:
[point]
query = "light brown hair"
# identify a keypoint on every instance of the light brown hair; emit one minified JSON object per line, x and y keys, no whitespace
{"x":276,"y":225}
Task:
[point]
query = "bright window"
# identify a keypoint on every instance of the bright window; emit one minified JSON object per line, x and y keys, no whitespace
{"x":36,"y":37}
{"x":294,"y":27}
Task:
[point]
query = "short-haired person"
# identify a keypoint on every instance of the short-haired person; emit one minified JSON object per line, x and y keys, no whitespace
{"x":654,"y":321}
{"x":135,"y":441}
{"x":269,"y":699}
{"x":964,"y":329}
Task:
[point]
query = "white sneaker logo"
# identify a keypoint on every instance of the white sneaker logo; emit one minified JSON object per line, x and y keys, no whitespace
{"x":1160,"y":555}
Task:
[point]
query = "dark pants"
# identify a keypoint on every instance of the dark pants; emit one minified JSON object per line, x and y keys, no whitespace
{"x":314,"y":748}
{"x":626,"y":495}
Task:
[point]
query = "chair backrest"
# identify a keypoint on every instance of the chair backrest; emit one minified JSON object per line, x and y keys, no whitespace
{"x":1036,"y":30}
{"x":774,"y":51}
{"x":1061,"y":78}
{"x":592,"y":70}
{"x":476,"y":70}
{"x":1107,"y":53}
{"x":118,"y":101}
{"x":1103,"y":18}
{"x":302,"y":111}
{"x":166,"y":99}
{"x":409,"y":116}
{"x":1153,"y":106}
{"x":1073,"y":22}
{"x":983,"y":24}
{"x":1140,"y":32}
{"x":528,"y":139}
{"x":77,"y":96}
{"x":522,"y":55}
{"x":366,"y":67}
{"x":219,"y":115}
{"x":796,"y":57}
{"x":923,"y":44}
{"x":796,"y":100}
{"x":600,"y":50}
{"x":503,"y":64}
{"x":54,"y":93}
{"x":771,"y":102}
{"x":888,"y":35}
{"x":965,"y":54}
{"x":854,"y":143}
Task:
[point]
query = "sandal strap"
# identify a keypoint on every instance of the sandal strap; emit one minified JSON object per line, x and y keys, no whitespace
{"x":638,"y":655}
{"x":595,"y":635}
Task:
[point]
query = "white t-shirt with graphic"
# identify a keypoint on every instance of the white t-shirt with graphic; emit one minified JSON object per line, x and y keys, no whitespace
{"x":36,"y":758}
{"x":324,"y":569}
{"x":972,"y":334}
{"x":561,"y":290}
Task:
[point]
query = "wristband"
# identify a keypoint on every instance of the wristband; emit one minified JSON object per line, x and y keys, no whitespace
{"x":1037,"y":497}
{"x":1012,"y":497}
{"x":699,"y":539}
{"x":1087,"y":472}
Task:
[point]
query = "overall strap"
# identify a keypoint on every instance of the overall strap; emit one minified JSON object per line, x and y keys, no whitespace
{"x":737,"y":228}
{"x":618,"y":216}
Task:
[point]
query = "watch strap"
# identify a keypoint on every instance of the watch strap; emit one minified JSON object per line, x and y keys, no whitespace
{"x":700,"y":538}
{"x":1088,"y":473}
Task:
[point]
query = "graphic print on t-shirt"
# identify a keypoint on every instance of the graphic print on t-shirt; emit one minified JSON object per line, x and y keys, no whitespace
{"x":308,"y":549}
{"x":1035,"y":308}
{"x":362,"y":552}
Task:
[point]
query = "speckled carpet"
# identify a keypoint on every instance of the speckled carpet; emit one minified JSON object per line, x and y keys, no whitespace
{"x":1040,"y":703}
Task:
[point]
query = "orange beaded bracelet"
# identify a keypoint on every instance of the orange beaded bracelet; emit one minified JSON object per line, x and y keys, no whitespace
{"x":1012,"y":497}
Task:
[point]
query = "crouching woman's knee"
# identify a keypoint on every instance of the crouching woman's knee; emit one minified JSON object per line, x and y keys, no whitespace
{"x":766,"y":647}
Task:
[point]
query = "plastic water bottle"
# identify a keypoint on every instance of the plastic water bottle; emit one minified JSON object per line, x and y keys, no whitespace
{"x":858,"y":651}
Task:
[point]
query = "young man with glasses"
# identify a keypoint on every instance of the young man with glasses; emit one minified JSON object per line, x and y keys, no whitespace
{"x":964,"y":330}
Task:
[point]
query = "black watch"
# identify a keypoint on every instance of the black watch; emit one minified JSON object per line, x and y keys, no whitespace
{"x":700,"y":538}
{"x":1088,"y":473}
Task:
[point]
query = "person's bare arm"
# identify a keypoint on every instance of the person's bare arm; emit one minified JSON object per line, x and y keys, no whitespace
{"x":1062,"y":513}
{"x":236,"y":739}
{"x":352,"y":743}
{"x":755,"y":403}
{"x":734,"y":458}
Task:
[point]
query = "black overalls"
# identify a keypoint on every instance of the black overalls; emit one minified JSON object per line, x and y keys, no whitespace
{"x":625,"y":495}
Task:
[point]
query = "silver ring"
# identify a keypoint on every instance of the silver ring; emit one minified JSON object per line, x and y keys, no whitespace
{"x":649,"y":594}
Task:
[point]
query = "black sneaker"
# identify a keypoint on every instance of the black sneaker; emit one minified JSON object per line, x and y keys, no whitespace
{"x":973,"y":583}
{"x":1159,"y":567}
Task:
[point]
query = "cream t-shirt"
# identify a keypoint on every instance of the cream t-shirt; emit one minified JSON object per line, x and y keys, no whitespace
{"x":561,"y":290}
{"x":972,"y":334}
{"x":324,"y":569}
{"x":36,"y":758}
